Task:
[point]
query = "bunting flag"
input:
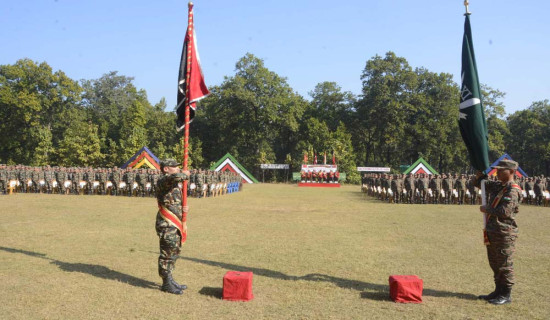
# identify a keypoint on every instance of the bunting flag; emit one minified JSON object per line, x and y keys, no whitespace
{"x":191,"y":86}
{"x":315,"y":159}
{"x":473,"y":126}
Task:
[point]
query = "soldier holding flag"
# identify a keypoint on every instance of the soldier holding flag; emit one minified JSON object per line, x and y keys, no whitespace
{"x":500,"y":228}
{"x":171,"y":224}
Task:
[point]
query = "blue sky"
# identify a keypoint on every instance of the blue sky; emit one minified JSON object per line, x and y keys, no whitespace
{"x":306,"y":41}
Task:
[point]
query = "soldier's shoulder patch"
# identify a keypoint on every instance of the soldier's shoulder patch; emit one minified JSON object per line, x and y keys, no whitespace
{"x":507,"y":198}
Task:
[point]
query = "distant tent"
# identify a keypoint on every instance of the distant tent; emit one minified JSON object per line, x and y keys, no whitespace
{"x":144,"y":157}
{"x":228,"y":163}
{"x":491,"y":172}
{"x":420,"y":166}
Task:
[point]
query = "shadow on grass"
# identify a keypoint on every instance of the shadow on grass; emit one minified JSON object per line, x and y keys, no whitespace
{"x":91,"y":269}
{"x":212,"y":292}
{"x":368,"y":290}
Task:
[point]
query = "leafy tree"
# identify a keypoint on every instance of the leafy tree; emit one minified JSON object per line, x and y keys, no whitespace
{"x":530,"y":137}
{"x":32,"y":100}
{"x":254,"y":115}
{"x":330,"y":105}
{"x":80,"y":146}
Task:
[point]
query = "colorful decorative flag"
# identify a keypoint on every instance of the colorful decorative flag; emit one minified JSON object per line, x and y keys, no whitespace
{"x":191,"y":86}
{"x":315,"y":159}
{"x":473,"y":126}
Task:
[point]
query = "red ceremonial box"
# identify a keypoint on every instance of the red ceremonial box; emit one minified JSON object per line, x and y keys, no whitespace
{"x":406,"y":289}
{"x":237,"y":286}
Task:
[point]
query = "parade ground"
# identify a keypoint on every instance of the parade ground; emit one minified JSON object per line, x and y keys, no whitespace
{"x":316,"y":253}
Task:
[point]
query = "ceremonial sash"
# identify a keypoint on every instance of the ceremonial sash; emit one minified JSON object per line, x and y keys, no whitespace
{"x":173,"y":220}
{"x":494,"y":204}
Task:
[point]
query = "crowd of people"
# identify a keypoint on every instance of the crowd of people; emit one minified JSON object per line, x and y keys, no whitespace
{"x":445,"y":188}
{"x":108,"y":181}
{"x":319,"y":176}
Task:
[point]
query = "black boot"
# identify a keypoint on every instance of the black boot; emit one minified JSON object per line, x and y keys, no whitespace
{"x":177,"y":285}
{"x":168,"y":286}
{"x":503,"y":297}
{"x":491,"y":295}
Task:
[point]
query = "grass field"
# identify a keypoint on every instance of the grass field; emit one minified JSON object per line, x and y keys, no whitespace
{"x":315,"y":253}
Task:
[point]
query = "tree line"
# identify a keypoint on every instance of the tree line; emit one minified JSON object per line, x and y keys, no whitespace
{"x":402,"y":113}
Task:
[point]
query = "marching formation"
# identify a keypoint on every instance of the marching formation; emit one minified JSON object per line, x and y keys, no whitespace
{"x":108,"y":181}
{"x":445,"y":188}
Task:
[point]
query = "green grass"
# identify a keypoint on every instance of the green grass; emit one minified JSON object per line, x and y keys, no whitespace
{"x":315,"y":253}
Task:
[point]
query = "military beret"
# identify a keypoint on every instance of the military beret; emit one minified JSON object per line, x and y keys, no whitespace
{"x":506,"y":164}
{"x":169,"y":163}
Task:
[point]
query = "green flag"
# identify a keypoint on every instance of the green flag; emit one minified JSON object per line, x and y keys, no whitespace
{"x":471,"y":115}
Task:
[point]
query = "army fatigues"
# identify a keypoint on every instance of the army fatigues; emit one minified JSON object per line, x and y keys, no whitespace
{"x":502,"y":229}
{"x":169,"y":196}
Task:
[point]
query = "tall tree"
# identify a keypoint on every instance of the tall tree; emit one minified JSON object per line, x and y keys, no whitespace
{"x":33,"y":99}
{"x":530,"y":138}
{"x":255,"y":115}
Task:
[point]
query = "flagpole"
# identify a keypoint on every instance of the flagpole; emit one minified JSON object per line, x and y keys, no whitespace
{"x":466,"y":4}
{"x":187,"y":111}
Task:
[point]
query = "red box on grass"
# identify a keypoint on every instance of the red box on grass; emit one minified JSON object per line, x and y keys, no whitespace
{"x":406,"y":289}
{"x":237,"y":286}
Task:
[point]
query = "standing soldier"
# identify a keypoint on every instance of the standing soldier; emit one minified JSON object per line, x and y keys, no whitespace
{"x":23,"y":175}
{"x":116,"y":177}
{"x":472,"y":189}
{"x":78,"y":182}
{"x":209,"y":182}
{"x":49,"y":177}
{"x":530,"y":189}
{"x":409,"y":187}
{"x":504,"y":197}
{"x":394,"y":185}
{"x":200,"y":183}
{"x":35,"y":176}
{"x":423,"y":188}
{"x":140,"y":180}
{"x":460,"y":186}
{"x":61,"y":176}
{"x":538,"y":189}
{"x":435,"y":185}
{"x":130,"y":179}
{"x":3,"y":179}
{"x":447,"y":186}
{"x":171,"y":223}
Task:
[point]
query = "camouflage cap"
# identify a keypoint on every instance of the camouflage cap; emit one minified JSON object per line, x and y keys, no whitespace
{"x":506,"y":164}
{"x":169,"y":163}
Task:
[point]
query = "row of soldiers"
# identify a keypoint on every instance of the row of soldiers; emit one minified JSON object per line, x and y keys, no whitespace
{"x":319,"y":176}
{"x":444,"y":188}
{"x":110,"y":181}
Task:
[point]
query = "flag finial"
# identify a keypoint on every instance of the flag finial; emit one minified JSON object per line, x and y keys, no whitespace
{"x":466,"y":4}
{"x":190,"y":5}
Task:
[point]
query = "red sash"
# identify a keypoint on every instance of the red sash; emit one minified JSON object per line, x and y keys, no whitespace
{"x":174,"y":221}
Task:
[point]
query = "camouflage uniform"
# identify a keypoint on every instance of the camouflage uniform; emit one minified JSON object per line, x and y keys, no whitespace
{"x":61,"y":177}
{"x":169,"y":197}
{"x":115,"y":179}
{"x":102,"y":178}
{"x":3,"y":179}
{"x":501,"y":228}
{"x":460,"y":186}
{"x":49,"y":177}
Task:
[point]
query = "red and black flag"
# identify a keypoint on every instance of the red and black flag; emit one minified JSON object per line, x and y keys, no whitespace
{"x":191,"y":86}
